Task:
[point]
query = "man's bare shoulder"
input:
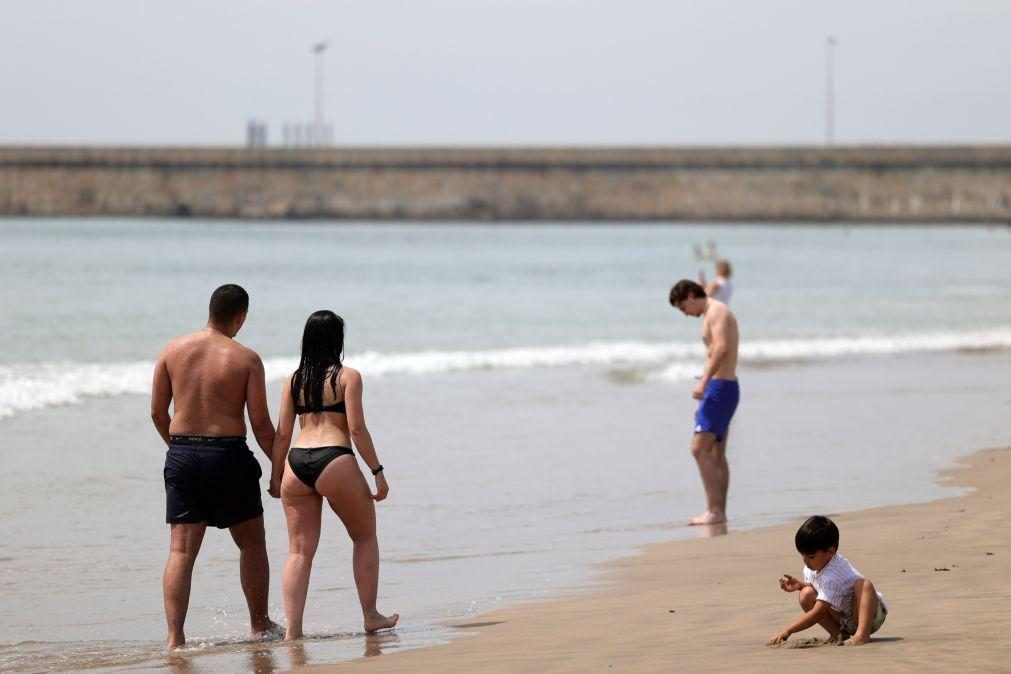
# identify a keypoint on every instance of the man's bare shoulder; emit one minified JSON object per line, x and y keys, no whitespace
{"x":247,"y":356}
{"x":202,"y":340}
{"x":181,"y":343}
{"x":720,"y":312}
{"x":245,"y":351}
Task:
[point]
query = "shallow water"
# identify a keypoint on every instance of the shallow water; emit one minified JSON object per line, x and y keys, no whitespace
{"x":528,"y":389}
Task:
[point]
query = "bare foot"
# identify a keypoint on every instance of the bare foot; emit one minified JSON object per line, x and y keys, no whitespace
{"x":176,"y":643}
{"x":857,"y":640}
{"x":377,"y":621}
{"x":266,"y":626}
{"x":709,"y":517}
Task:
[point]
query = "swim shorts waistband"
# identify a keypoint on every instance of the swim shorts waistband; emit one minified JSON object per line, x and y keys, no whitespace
{"x":223,"y":441}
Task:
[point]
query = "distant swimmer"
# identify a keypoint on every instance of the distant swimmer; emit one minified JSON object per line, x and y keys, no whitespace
{"x":326,"y":397}
{"x":211,"y":477}
{"x":717,"y":393}
{"x":720,"y":288}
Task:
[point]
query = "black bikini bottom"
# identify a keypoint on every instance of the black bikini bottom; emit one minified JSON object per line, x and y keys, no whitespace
{"x":308,"y":462}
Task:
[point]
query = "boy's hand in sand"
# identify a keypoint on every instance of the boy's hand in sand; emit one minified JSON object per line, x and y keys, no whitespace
{"x":790,"y":584}
{"x":779,"y":638}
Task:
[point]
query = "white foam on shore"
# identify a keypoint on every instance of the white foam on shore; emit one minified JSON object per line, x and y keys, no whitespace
{"x":25,"y":387}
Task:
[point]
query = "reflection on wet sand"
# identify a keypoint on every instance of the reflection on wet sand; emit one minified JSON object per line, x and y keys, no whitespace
{"x":375,"y":643}
{"x":261,"y":659}
{"x":179,"y":664}
{"x":296,"y":654}
{"x":711,"y":530}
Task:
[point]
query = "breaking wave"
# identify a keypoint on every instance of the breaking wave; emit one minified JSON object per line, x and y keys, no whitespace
{"x":25,"y":387}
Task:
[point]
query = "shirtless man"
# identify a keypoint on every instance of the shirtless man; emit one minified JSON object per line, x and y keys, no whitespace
{"x":211,"y":477}
{"x":717,"y":392}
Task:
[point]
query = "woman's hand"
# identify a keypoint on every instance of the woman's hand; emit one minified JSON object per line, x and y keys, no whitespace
{"x":382,"y":489}
{"x":275,"y":487}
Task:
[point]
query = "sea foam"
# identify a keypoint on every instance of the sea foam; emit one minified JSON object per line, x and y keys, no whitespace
{"x":25,"y":387}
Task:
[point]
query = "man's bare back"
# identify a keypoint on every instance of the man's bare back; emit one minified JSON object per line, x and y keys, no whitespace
{"x":208,"y":375}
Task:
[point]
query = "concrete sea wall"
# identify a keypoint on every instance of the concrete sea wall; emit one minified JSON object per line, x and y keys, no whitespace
{"x":855,"y":184}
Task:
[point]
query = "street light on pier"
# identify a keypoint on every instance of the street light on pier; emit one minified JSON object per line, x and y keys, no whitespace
{"x":318,"y":125}
{"x":830,"y":44}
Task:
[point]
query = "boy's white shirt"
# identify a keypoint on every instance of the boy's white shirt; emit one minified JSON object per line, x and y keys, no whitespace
{"x":834,"y":583}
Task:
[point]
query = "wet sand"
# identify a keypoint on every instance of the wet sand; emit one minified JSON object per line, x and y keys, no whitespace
{"x":711,"y":604}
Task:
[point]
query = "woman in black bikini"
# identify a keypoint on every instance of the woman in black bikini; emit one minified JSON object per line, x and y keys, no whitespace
{"x":327,"y":397}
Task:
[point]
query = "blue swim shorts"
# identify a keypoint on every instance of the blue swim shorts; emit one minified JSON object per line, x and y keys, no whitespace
{"x":717,"y":407}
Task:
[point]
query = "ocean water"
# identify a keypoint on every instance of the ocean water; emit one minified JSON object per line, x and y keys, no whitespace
{"x":528,"y":387}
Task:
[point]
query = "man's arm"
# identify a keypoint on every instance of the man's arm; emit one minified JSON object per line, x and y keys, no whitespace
{"x":161,"y":398}
{"x":256,"y":405}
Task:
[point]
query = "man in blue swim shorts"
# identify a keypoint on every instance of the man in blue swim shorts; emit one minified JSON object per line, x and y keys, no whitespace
{"x":717,"y":393}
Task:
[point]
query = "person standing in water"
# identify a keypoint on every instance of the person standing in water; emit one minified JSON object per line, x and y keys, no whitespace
{"x":327,"y":398}
{"x":717,"y":392}
{"x":211,"y":477}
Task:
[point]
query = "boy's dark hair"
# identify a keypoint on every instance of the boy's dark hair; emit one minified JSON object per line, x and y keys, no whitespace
{"x":817,"y":533}
{"x":684,"y":289}
{"x":227,"y":302}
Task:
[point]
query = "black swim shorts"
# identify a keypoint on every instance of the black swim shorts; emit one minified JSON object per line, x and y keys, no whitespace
{"x":211,"y":479}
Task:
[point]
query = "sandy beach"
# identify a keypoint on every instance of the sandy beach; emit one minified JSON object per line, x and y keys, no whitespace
{"x":710,"y":604}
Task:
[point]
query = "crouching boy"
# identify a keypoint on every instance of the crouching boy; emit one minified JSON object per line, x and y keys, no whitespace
{"x":833,"y":594}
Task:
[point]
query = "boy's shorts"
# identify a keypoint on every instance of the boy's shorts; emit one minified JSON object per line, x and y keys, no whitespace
{"x":717,"y":407}
{"x":849,"y":622}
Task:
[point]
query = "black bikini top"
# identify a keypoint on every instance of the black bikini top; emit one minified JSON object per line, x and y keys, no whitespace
{"x":305,"y":409}
{"x":336,"y":407}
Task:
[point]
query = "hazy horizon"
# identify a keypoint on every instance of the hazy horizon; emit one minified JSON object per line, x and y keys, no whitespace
{"x":517,"y":73}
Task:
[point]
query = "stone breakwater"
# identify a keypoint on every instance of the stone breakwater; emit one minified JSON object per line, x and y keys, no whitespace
{"x":854,"y":184}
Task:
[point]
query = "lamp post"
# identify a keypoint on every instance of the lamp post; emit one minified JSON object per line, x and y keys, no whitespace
{"x":317,"y":126}
{"x":830,"y":44}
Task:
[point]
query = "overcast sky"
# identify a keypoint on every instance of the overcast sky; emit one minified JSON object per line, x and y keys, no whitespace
{"x":506,"y":72}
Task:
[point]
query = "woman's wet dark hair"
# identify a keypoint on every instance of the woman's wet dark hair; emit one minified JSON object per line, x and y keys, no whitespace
{"x":322,"y":357}
{"x":817,"y":533}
